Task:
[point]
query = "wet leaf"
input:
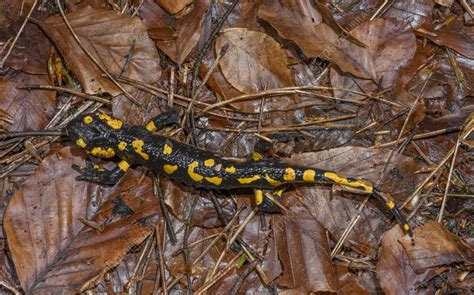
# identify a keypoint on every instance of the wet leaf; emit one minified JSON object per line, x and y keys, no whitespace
{"x":27,"y":110}
{"x":455,"y":36}
{"x":254,"y":61}
{"x":175,"y":38}
{"x":173,"y":7}
{"x":304,"y":252}
{"x":412,"y":12}
{"x":30,"y":55}
{"x":435,"y":246}
{"x":10,"y":11}
{"x":298,"y":21}
{"x":108,"y":36}
{"x":395,"y":274}
{"x":391,"y":47}
{"x":49,"y":243}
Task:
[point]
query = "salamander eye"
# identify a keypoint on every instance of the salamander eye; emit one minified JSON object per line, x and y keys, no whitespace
{"x":88,"y":119}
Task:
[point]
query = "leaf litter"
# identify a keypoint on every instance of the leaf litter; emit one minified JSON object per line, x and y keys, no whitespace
{"x":380,"y":93}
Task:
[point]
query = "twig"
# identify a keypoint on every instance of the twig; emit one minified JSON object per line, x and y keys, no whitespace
{"x":448,"y":182}
{"x":204,"y":81}
{"x":67,"y":90}
{"x":350,"y":226}
{"x":420,"y":136}
{"x":205,"y":48}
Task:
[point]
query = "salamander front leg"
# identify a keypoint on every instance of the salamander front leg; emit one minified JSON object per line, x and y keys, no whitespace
{"x":164,"y":119}
{"x":268,"y":201}
{"x":94,"y":173}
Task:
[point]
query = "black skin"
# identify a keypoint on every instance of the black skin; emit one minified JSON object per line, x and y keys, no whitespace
{"x":190,"y":165}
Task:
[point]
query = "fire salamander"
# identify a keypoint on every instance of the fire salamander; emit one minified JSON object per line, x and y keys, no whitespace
{"x":103,"y":136}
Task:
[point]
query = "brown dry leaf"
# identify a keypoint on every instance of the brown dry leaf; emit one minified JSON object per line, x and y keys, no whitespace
{"x":335,"y":209}
{"x":30,"y":54}
{"x":304,"y":253}
{"x":173,"y":7}
{"x":108,"y":36}
{"x":10,"y":11}
{"x":394,"y":272}
{"x":135,"y":114}
{"x":28,"y":110}
{"x":298,"y":21}
{"x":348,"y":283}
{"x":391,"y":48}
{"x":176,"y":38}
{"x":456,"y":36}
{"x":254,"y":61}
{"x":435,"y":246}
{"x":412,"y":12}
{"x":53,"y":251}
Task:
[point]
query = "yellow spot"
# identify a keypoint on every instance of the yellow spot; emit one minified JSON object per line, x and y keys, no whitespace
{"x":258,"y":196}
{"x":170,"y":168}
{"x":390,"y":205}
{"x":247,"y":180}
{"x":340,"y":180}
{"x":290,"y":174}
{"x":194,"y":176}
{"x":167,"y":149}
{"x":122,"y":145}
{"x":279,"y":192}
{"x":230,"y":169}
{"x":218,"y":167}
{"x":123,"y":165}
{"x":80,"y":142}
{"x":406,"y":227}
{"x":256,"y":156}
{"x":88,"y":119}
{"x":113,"y":123}
{"x":151,"y":126}
{"x":100,"y":152}
{"x":209,"y":163}
{"x":137,"y":145}
{"x":309,"y":175}
{"x":215,"y":180}
{"x":272,"y":181}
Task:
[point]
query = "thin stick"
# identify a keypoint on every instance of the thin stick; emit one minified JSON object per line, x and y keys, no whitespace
{"x":204,"y":81}
{"x":419,"y":136}
{"x":67,"y":90}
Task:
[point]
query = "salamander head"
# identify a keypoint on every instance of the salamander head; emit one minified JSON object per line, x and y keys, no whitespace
{"x":92,"y":131}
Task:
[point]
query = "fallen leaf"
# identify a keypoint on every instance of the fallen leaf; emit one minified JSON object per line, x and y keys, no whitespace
{"x":434,"y":246}
{"x":254,"y":61}
{"x":412,"y":12}
{"x":108,"y":36}
{"x":305,"y":256}
{"x":10,"y":11}
{"x":173,"y":7}
{"x":31,"y":51}
{"x":28,"y":110}
{"x":394,"y":272}
{"x":185,"y":32}
{"x":456,"y":36}
{"x":298,"y":21}
{"x":390,"y":46}
{"x":348,"y":283}
{"x":49,"y":243}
